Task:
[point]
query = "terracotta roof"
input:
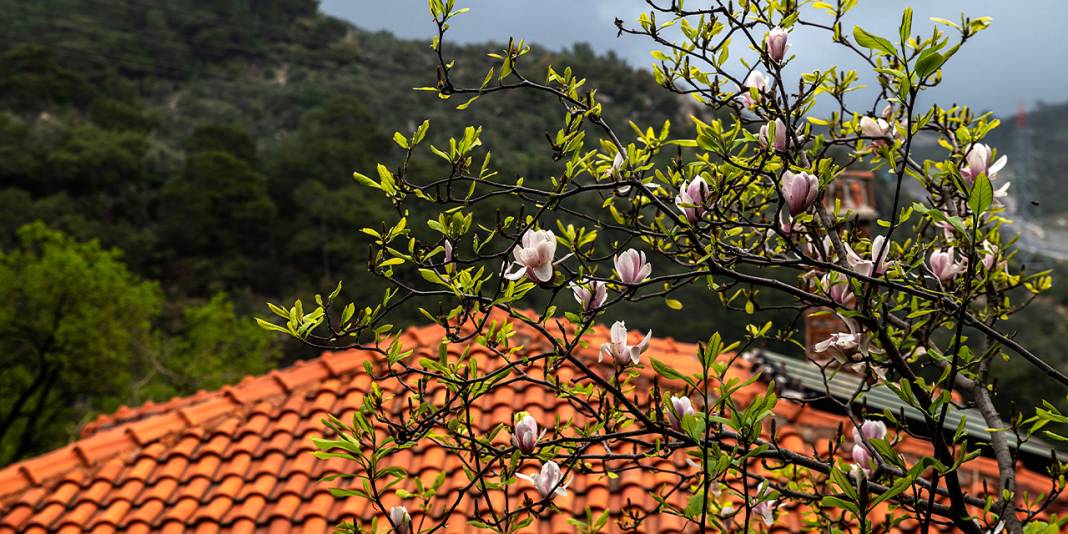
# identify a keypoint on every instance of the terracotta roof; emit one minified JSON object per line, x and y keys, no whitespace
{"x":238,"y":459}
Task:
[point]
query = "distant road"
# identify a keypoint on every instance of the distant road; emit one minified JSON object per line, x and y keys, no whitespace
{"x":1035,"y":239}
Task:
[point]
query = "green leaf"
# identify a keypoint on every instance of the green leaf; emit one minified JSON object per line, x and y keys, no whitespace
{"x":928,"y":63}
{"x":906,"y":25}
{"x":831,"y":501}
{"x":981,"y":196}
{"x":666,"y":370}
{"x":365,"y":180}
{"x":869,"y":40}
{"x":673,"y":304}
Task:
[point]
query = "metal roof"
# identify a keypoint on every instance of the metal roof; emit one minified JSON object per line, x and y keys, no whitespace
{"x":843,"y":386}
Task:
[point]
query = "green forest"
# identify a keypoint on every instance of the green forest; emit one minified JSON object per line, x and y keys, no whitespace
{"x":167,"y":168}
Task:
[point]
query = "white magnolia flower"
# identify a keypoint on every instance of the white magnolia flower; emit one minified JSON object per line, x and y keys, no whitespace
{"x":548,"y":482}
{"x":534,"y":256}
{"x":620,"y":350}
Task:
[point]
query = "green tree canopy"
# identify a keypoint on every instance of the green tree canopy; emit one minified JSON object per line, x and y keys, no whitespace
{"x":74,"y":322}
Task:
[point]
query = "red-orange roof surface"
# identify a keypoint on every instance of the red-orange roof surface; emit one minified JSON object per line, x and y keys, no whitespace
{"x":238,"y":459}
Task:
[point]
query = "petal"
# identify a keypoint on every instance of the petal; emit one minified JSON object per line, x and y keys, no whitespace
{"x":543,"y":272}
{"x":517,"y":274}
{"x":997,"y":166}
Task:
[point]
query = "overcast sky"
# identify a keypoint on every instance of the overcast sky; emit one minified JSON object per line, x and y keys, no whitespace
{"x":1022,"y":59}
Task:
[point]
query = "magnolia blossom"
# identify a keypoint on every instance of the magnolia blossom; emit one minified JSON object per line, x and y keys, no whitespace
{"x":448,"y":252}
{"x":877,"y":264}
{"x":869,"y":429}
{"x":944,"y":264}
{"x":680,"y":408}
{"x":777,"y":43}
{"x":990,"y":256}
{"x":548,"y":482}
{"x":766,"y":508}
{"x":590,"y":295}
{"x":525,"y":435}
{"x":631,"y":267}
{"x":862,"y":460}
{"x":862,"y":457}
{"x":402,"y":521}
{"x":879,"y":129}
{"x":979,"y":160}
{"x":847,"y":347}
{"x":534,"y":256}
{"x":799,"y":190}
{"x":837,"y":288}
{"x":691,"y":198}
{"x":756,"y":80}
{"x":619,"y":349}
{"x":780,"y":141}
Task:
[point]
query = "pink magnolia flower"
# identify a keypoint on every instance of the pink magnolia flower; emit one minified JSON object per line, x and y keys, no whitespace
{"x":878,"y":262}
{"x":944,"y":264}
{"x":448,"y":252}
{"x":862,"y":456}
{"x":401,"y":519}
{"x":869,"y":429}
{"x":525,"y":435}
{"x":862,"y":459}
{"x":979,"y":160}
{"x":620,"y":350}
{"x":631,"y":267}
{"x":756,"y":80}
{"x":879,"y":129}
{"x":991,"y":252}
{"x":534,"y":256}
{"x":777,"y":43}
{"x":680,"y":408}
{"x":548,"y":482}
{"x":847,"y":347}
{"x":590,"y":295}
{"x":691,"y":198}
{"x":799,"y":190}
{"x":766,"y":508}
{"x":780,"y":141}
{"x":837,"y":289}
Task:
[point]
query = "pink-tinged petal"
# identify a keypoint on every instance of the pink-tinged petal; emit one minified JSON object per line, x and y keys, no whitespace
{"x":543,"y":272}
{"x":997,"y":166}
{"x":643,"y":345}
{"x":516,"y":275}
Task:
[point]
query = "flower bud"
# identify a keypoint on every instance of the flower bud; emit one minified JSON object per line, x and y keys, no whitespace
{"x":799,"y":190}
{"x":777,"y":43}
{"x":780,"y":142}
{"x":631,"y":267}
{"x":525,"y":434}
{"x":402,"y":521}
{"x":680,"y":408}
{"x":869,"y":429}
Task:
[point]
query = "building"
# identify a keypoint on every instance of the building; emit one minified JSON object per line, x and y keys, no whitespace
{"x":239,"y":459}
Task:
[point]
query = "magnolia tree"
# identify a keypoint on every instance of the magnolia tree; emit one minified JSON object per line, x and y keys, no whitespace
{"x":734,"y":203}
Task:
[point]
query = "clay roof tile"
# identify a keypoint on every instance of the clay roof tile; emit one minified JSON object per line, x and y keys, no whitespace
{"x":237,"y":459}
